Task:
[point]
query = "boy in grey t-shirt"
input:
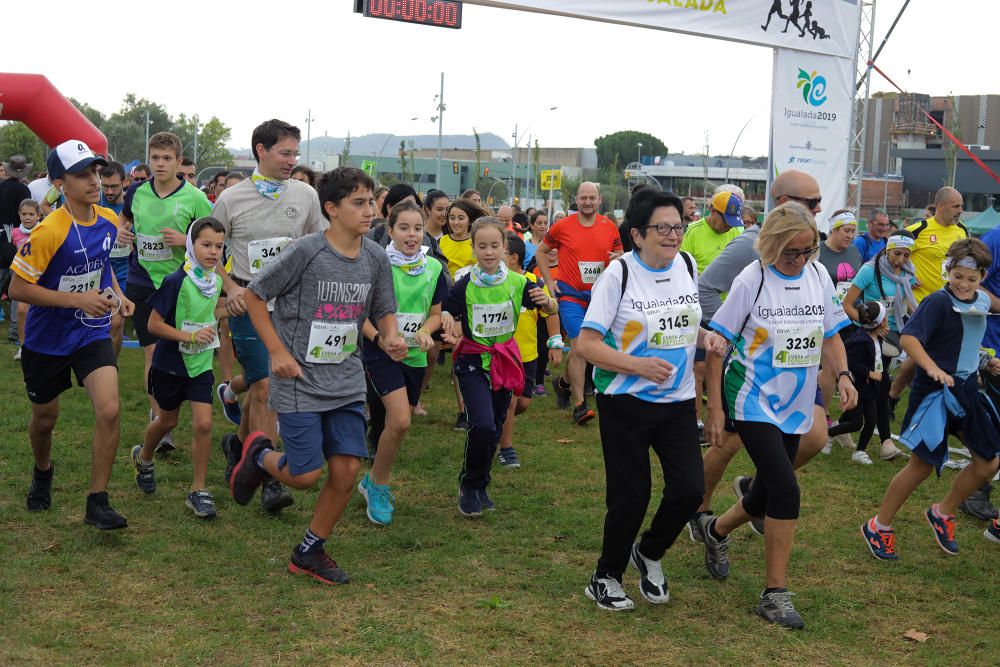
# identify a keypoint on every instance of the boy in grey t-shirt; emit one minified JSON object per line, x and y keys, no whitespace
{"x":324,"y":285}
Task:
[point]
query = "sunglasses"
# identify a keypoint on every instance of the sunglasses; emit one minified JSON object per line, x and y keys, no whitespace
{"x":811,"y":204}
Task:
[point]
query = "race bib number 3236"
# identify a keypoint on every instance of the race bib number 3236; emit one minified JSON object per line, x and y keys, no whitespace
{"x":797,"y":347}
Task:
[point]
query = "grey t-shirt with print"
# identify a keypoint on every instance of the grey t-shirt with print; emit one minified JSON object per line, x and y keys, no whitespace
{"x":313,"y":283}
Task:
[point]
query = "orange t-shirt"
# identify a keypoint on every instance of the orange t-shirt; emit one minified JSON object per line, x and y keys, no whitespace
{"x":583,"y":251}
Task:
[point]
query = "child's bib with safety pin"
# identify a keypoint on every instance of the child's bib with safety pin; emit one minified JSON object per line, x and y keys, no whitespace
{"x":409,"y":324}
{"x":331,"y":342}
{"x":492,"y":319}
{"x":197,"y":348}
{"x":81,"y":283}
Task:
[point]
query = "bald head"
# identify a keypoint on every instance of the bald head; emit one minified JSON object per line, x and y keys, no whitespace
{"x":948,"y":206}
{"x":588,"y":200}
{"x":795,"y":185}
{"x":505,"y":213}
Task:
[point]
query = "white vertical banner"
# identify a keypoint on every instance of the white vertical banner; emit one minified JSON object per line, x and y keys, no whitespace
{"x":811,"y":121}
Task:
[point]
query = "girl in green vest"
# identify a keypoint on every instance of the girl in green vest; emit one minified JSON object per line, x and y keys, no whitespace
{"x":394,"y":384}
{"x":185,"y":312}
{"x":481,"y":314}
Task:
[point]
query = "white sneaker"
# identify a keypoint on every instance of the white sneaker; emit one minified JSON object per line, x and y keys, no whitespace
{"x":844,"y":440}
{"x":889,"y":451}
{"x":608,"y":593}
{"x":827,"y":448}
{"x":17,"y":355}
{"x":861,"y":458}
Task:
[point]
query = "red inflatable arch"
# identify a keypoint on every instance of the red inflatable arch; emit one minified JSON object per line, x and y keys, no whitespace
{"x":33,"y":100}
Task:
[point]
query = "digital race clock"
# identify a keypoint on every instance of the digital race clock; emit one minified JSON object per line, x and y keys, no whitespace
{"x":442,"y":13}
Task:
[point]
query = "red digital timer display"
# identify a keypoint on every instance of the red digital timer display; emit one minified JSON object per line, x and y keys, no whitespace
{"x":441,"y":13}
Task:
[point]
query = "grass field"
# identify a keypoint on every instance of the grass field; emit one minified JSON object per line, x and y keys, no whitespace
{"x":435,"y":588}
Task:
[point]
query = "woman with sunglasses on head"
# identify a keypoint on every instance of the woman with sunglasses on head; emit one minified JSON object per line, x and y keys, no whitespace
{"x":640,"y":332}
{"x":781,"y":316}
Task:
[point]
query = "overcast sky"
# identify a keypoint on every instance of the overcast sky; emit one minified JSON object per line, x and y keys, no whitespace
{"x":251,"y":60}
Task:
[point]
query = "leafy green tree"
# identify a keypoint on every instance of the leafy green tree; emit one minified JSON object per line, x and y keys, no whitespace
{"x":623,"y":146}
{"x":568,"y":190}
{"x":212,"y":138}
{"x":90,"y":113}
{"x":16,"y":138}
{"x":125,"y":128}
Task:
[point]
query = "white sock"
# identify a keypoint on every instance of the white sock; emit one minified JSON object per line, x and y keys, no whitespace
{"x":229,"y":394}
{"x":879,"y":526}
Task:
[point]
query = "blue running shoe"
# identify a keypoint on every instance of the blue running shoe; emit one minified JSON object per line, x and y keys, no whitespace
{"x":145,"y":477}
{"x":944,"y":530}
{"x":508,"y":457}
{"x":469,"y":503}
{"x":882,"y":543}
{"x":485,"y":501}
{"x":232,"y":411}
{"x":379,"y":500}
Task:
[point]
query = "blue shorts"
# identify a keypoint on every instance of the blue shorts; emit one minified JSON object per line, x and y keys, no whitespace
{"x":310,"y":438}
{"x":571,"y":317}
{"x":120,"y":267}
{"x":386,"y":376}
{"x":250,"y":351}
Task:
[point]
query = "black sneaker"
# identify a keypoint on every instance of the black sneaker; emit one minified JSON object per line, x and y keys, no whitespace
{"x":201,"y":503}
{"x":693,"y":530}
{"x":652,"y":582}
{"x":485,"y":501}
{"x":608,"y":593}
{"x":246,"y":475}
{"x":716,"y":551}
{"x":583,"y":414}
{"x":562,"y":393}
{"x":319,"y":566}
{"x":101,"y":515}
{"x":892,"y":408}
{"x":741,"y":487}
{"x":274,"y":497}
{"x":232,"y":449}
{"x":776,"y":607}
{"x":469,"y":503}
{"x":40,"y":491}
{"x":978,"y":504}
{"x":462,"y":422}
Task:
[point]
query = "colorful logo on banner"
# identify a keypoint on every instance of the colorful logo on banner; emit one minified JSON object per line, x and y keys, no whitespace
{"x":813,"y":87}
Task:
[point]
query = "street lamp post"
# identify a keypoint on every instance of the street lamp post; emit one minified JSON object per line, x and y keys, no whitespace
{"x":309,"y":121}
{"x":639,"y":160}
{"x":440,"y":121}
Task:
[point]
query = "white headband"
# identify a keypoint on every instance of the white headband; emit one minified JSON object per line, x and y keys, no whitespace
{"x":900,"y":241}
{"x":845,"y":218}
{"x":966,"y":263}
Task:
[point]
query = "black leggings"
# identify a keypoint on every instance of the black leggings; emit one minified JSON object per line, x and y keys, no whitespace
{"x":543,"y":353}
{"x":629,"y":428}
{"x":775,"y":492}
{"x":871,"y":411}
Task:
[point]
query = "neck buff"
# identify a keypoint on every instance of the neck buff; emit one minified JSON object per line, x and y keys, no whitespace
{"x":414,"y":265}
{"x":483,"y":279}
{"x":27,"y":232}
{"x":203,"y":278}
{"x":268,"y":187}
{"x":904,"y":293}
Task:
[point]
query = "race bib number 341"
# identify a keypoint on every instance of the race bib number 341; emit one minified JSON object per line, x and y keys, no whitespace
{"x":263,"y":252}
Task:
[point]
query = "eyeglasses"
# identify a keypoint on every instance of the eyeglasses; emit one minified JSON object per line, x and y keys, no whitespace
{"x":664,"y":230}
{"x":792,"y":255}
{"x":111,"y":186}
{"x":811,"y":204}
{"x":287,"y":155}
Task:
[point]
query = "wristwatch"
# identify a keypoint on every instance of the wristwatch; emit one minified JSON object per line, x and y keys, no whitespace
{"x":849,"y":374}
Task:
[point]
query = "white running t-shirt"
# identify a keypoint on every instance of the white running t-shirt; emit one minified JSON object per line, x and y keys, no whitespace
{"x":658,"y":316}
{"x":774,"y":367}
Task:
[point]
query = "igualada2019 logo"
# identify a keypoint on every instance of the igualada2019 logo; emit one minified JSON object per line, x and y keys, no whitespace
{"x":813,"y":87}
